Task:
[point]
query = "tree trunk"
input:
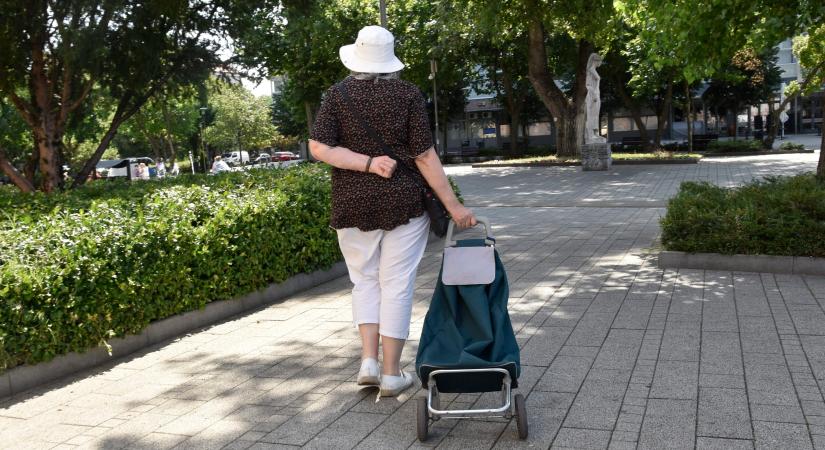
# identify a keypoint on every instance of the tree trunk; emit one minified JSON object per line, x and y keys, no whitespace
{"x":688,"y":118}
{"x":568,"y":112}
{"x":16,"y":177}
{"x":635,"y":113}
{"x":48,"y":146}
{"x":570,"y":134}
{"x":775,"y":123}
{"x":662,"y":114}
{"x":168,"y":121}
{"x":30,"y":169}
{"x":310,"y":116}
{"x":514,"y":105}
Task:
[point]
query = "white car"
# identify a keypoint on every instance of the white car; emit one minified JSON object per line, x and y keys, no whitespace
{"x":235,"y":158}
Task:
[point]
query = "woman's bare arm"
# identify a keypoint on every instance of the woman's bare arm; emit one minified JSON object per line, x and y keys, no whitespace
{"x":344,"y":158}
{"x":430,"y":166}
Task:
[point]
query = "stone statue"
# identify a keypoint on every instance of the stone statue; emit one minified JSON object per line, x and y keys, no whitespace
{"x":593,"y":102}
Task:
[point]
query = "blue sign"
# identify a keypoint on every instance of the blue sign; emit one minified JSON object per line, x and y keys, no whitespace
{"x":490,"y":131}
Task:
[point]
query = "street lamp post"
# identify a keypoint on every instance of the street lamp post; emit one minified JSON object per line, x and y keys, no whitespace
{"x":433,"y":71}
{"x":203,"y":145}
{"x":382,"y":7}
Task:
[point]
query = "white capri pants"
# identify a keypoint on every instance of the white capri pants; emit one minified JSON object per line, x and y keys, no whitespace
{"x":382,"y":265}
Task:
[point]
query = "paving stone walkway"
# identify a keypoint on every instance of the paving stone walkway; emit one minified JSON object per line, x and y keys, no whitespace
{"x":616,"y":353}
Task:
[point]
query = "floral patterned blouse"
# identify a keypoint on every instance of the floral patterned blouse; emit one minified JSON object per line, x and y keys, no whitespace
{"x":397,"y":112}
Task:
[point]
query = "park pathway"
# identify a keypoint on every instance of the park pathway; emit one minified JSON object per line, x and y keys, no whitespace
{"x":616,"y":353}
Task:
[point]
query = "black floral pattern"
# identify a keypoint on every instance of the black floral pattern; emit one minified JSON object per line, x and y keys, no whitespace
{"x":397,"y":111}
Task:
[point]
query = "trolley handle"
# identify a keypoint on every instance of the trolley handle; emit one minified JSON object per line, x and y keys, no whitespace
{"x":489,"y":239}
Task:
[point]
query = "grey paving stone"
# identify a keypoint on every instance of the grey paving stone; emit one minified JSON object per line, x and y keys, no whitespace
{"x":668,"y":424}
{"x":770,"y":385}
{"x":583,"y":439}
{"x":721,"y":353}
{"x":724,"y":413}
{"x":591,"y":329}
{"x":598,"y":403}
{"x":777,"y":413}
{"x":772,"y":435}
{"x":543,"y":345}
{"x":710,"y":443}
{"x":676,"y":380}
{"x":544,"y":424}
{"x":347,"y":431}
{"x":565,"y":374}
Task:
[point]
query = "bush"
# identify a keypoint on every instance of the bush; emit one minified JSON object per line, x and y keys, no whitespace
{"x":80,"y":267}
{"x":775,"y":216}
{"x":734,"y":146}
{"x":791,"y":147}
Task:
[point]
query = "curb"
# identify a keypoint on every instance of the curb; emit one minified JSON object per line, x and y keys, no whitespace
{"x":734,"y":154}
{"x":796,"y":265}
{"x":615,"y":162}
{"x":21,"y":378}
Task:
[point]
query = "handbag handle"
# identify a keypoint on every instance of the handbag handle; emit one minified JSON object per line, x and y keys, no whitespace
{"x":489,"y":239}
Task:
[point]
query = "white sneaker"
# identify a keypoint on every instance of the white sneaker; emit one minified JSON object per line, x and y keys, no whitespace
{"x":392,"y":385}
{"x":369,"y":373}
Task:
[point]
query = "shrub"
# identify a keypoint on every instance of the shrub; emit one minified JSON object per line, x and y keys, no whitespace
{"x":791,"y":147}
{"x":774,"y":216}
{"x":734,"y":146}
{"x":80,"y":267}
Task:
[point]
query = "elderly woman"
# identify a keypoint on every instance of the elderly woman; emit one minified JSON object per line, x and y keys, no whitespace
{"x":377,"y":210}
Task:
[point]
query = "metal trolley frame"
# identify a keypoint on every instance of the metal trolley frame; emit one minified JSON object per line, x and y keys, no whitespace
{"x":428,"y":409}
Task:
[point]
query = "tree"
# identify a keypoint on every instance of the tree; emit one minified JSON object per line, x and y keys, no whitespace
{"x":809,"y":50}
{"x":295,"y":38}
{"x":58,"y":51}
{"x":242,"y":121}
{"x":501,"y":57}
{"x":164,"y":121}
{"x":560,"y":36}
{"x":749,"y":79}
{"x":701,"y":36}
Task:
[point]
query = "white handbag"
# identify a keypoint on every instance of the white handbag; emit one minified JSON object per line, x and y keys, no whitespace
{"x":469,"y":265}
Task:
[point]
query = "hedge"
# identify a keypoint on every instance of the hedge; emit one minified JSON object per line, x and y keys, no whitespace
{"x":84,"y":266}
{"x":775,"y":216}
{"x":734,"y":146}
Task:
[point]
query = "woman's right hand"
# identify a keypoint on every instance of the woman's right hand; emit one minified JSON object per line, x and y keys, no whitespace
{"x":383,"y":166}
{"x":463,"y":217}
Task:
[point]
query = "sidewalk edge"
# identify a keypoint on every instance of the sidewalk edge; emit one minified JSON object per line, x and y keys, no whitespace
{"x":796,"y":265}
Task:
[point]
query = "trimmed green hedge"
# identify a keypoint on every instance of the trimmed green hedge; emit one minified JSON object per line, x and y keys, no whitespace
{"x":734,"y":146}
{"x":80,"y":267}
{"x":775,"y":216}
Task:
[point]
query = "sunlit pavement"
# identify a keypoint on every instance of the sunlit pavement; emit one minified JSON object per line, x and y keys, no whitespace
{"x":616,"y":353}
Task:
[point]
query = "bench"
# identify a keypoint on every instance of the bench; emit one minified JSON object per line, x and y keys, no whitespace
{"x":701,"y":141}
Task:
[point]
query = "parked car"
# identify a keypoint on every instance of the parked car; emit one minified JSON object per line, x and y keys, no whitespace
{"x":284,"y":156}
{"x":113,"y":168}
{"x":234,"y":158}
{"x":263,"y":158}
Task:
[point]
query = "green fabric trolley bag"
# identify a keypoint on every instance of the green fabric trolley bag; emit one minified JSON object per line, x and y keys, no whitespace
{"x":467,"y":343}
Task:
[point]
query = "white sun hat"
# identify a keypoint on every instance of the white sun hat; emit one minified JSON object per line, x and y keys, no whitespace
{"x":372,"y":52}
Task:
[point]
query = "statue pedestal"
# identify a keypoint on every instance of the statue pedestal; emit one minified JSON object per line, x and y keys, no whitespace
{"x":596,"y":156}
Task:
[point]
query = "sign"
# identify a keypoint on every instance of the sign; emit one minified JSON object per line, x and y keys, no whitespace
{"x":783,"y":117}
{"x":490,"y":131}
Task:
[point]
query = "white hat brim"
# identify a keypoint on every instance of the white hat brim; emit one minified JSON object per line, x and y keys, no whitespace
{"x":355,"y":64}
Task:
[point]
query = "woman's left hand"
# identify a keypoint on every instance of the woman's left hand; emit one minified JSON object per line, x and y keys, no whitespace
{"x":463,"y":217}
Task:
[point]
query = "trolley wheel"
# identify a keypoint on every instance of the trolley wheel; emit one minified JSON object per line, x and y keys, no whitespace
{"x":422,"y":418}
{"x":521,"y":416}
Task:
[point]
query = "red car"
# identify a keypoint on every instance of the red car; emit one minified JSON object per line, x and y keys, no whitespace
{"x":284,"y":156}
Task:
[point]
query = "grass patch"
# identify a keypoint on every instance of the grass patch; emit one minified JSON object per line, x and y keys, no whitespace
{"x":665,"y":156}
{"x":782,"y":216}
